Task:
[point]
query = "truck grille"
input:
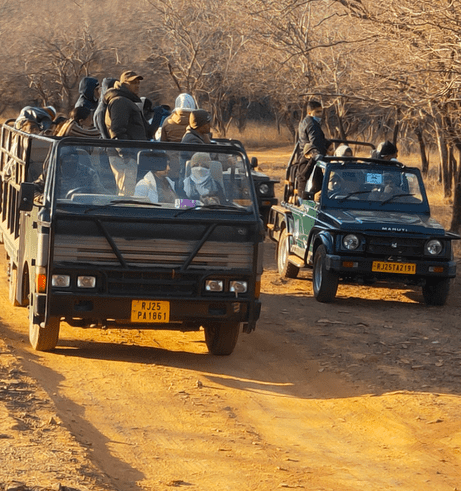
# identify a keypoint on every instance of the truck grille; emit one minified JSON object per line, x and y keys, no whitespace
{"x":152,"y":253}
{"x":391,"y":246}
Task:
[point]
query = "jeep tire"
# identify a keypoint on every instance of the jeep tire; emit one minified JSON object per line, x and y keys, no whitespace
{"x":325,"y":282}
{"x":436,"y":290}
{"x":285,"y":268}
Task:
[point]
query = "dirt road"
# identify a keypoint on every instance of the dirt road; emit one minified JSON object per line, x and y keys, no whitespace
{"x":361,"y":394}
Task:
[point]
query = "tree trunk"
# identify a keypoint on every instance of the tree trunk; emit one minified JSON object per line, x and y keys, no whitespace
{"x":456,"y":210}
{"x":444,"y":162}
{"x":422,"y":151}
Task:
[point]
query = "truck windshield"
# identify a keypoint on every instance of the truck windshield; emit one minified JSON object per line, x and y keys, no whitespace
{"x":380,"y":185}
{"x":166,"y":177}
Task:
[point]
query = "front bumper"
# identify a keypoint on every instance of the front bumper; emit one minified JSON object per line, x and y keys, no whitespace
{"x":351,"y":266}
{"x":101,"y":309}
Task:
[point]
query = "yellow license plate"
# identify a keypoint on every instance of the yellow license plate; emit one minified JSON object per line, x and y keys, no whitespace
{"x":384,"y":267}
{"x":150,"y":311}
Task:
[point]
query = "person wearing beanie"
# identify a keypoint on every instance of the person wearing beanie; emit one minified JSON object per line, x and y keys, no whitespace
{"x":199,"y":128}
{"x":174,"y":127}
{"x":124,"y":120}
{"x":89,"y":91}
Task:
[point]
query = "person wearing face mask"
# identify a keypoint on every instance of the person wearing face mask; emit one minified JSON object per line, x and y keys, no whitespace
{"x":310,"y":130}
{"x":200,"y":185}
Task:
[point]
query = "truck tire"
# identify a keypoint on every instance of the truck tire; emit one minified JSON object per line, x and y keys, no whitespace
{"x":221,"y":337}
{"x":13,"y":279}
{"x":285,"y":268}
{"x":435,"y":291}
{"x":43,"y":338}
{"x":325,"y":282}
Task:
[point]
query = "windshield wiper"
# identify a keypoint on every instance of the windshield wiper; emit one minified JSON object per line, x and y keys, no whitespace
{"x":354,"y":193}
{"x":395,"y":196}
{"x":122,"y":202}
{"x":214,"y":207}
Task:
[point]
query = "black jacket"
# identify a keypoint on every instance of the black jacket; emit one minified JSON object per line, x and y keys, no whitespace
{"x":124,"y":118}
{"x":311,"y":132}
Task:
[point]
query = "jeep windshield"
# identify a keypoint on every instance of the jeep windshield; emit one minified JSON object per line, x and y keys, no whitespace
{"x":376,"y":185}
{"x":152,"y":176}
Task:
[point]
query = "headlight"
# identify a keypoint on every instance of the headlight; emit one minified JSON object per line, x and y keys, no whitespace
{"x":264,"y":188}
{"x":86,"y":281}
{"x":60,"y":281}
{"x":351,"y":242}
{"x":238,"y":286}
{"x":214,"y":285}
{"x":434,"y":247}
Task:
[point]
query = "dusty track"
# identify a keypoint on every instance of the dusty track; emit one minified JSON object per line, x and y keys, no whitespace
{"x":360,"y":394}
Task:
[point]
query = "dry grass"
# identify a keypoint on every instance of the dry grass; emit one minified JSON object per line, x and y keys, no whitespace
{"x":257,"y":135}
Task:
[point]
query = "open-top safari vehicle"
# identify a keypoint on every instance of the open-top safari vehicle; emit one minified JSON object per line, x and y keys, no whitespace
{"x":362,"y":220}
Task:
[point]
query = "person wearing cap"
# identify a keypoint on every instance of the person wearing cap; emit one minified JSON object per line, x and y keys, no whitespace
{"x":124,"y":120}
{"x":89,"y":91}
{"x":199,"y":128}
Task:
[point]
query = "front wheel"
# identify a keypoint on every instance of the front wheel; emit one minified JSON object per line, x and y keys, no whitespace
{"x":43,"y":338}
{"x":221,"y":337}
{"x":285,"y":268}
{"x":435,"y":291}
{"x":325,"y":282}
{"x":13,"y":278}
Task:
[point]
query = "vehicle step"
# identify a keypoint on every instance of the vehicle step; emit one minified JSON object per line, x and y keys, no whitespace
{"x":297,"y":261}
{"x":270,"y":226}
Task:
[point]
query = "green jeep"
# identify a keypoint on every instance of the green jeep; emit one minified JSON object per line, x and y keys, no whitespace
{"x":365,"y":221}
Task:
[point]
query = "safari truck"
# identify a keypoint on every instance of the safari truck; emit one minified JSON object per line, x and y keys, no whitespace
{"x":264,"y":185}
{"x":84,"y":251}
{"x":364,"y":221}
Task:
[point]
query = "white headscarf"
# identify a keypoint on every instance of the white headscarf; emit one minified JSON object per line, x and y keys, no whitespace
{"x":185,"y":101}
{"x":341,"y":150}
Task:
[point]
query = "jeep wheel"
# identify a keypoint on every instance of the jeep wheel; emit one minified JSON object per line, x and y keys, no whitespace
{"x":435,"y":291}
{"x":325,"y":282}
{"x":285,"y":268}
{"x":221,"y":337}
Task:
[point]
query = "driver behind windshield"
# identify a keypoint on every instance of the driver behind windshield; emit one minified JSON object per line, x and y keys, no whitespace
{"x":72,"y":174}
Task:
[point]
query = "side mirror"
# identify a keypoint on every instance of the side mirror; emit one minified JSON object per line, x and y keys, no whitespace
{"x":254,"y":162}
{"x":26,"y":196}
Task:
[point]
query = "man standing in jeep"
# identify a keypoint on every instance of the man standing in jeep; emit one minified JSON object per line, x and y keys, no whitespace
{"x":125,"y":121}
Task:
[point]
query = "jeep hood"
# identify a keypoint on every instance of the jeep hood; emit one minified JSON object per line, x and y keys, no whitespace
{"x":386,"y":221}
